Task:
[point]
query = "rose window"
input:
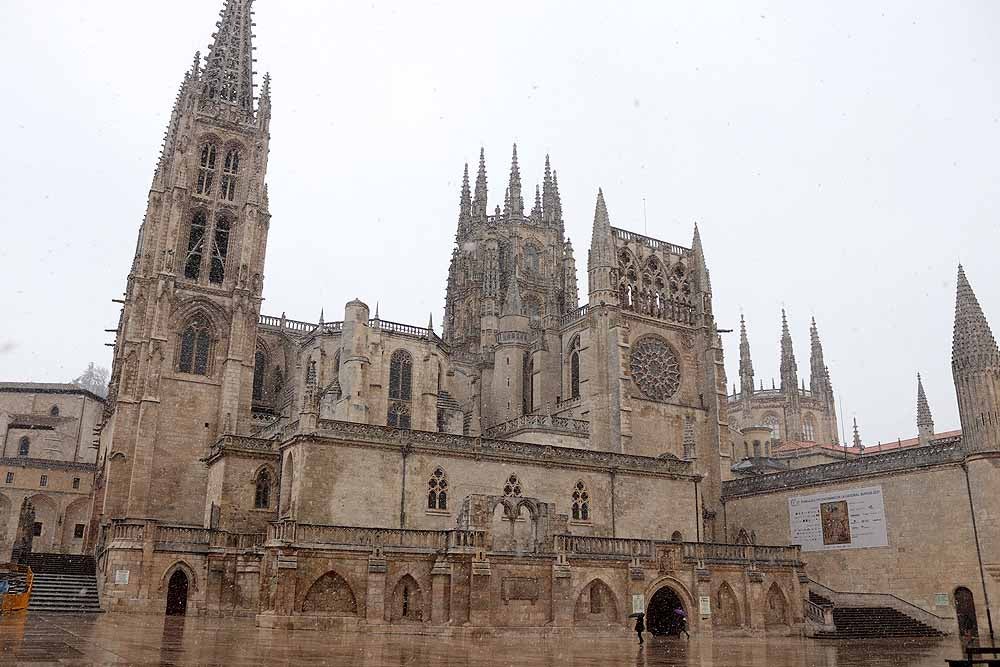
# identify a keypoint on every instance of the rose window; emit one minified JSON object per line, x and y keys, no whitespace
{"x":655,"y":369}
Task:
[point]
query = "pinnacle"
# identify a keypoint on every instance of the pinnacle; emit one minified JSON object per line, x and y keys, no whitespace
{"x":857,"y":436}
{"x":973,"y":344}
{"x":923,"y":407}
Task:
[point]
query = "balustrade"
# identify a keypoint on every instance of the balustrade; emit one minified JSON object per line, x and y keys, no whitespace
{"x":565,"y":424}
{"x":604,"y":546}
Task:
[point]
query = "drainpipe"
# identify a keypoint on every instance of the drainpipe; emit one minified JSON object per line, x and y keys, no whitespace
{"x":697,"y":514}
{"x":402,"y":490}
{"x":979,"y":554}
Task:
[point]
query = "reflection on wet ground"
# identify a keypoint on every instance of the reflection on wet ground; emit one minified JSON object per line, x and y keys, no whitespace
{"x":139,"y":639}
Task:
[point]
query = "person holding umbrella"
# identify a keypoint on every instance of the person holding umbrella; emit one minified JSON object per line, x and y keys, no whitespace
{"x":682,"y":622}
{"x":640,"y":626}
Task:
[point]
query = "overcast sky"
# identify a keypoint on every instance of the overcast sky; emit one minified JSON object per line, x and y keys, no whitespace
{"x":839,"y":158}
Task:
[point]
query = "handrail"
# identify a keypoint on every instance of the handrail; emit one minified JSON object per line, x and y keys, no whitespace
{"x":920,"y":610}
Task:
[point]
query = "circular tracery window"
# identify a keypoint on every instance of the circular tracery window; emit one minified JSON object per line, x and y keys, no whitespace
{"x":655,"y":369}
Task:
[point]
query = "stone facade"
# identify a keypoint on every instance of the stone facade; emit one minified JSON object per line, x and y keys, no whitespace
{"x":540,"y":464}
{"x":47,"y":465}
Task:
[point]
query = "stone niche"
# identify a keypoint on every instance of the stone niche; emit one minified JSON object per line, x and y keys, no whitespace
{"x":513,"y":524}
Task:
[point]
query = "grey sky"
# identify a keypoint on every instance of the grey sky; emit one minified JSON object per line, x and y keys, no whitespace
{"x":840,"y":158}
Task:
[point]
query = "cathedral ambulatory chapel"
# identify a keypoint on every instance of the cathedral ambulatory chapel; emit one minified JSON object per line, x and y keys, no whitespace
{"x":539,"y":464}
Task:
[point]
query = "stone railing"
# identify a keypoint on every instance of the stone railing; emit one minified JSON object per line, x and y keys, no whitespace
{"x":127,"y":530}
{"x":712,"y":552}
{"x":905,"y":459}
{"x":859,"y":599}
{"x":464,"y":357}
{"x":574,"y":316}
{"x":353,"y":536}
{"x":513,"y":337}
{"x":462,"y":445}
{"x":604,"y":546}
{"x":403,"y":329}
{"x":285,"y":324}
{"x":577,"y":427}
{"x":567,"y":403}
{"x":820,"y":615}
{"x":243,"y":444}
{"x":655,"y":244}
{"x":207,"y":538}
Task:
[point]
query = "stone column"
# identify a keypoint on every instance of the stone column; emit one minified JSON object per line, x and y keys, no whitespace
{"x":284,"y":598}
{"x":146,"y":566}
{"x":755,"y":599}
{"x":375,"y":595}
{"x":479,"y":590}
{"x":702,"y":586}
{"x":440,"y":579}
{"x":562,"y":593}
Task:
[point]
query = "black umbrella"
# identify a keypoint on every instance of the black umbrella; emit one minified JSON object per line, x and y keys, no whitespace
{"x":637,"y":614}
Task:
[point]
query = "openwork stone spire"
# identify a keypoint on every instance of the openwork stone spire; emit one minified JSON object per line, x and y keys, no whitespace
{"x":819,"y":374}
{"x":699,"y":256}
{"x":601,"y":262}
{"x":925,"y":423}
{"x":512,"y":303}
{"x":746,"y":364}
{"x":975,"y":365}
{"x":228,"y":76}
{"x":789,"y":369}
{"x":479,"y":210}
{"x":465,"y":204}
{"x":515,"y":202}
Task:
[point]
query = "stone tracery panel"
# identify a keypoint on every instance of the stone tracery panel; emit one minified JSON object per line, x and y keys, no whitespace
{"x":655,"y":368}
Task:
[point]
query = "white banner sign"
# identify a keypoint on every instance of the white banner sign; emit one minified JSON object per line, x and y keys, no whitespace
{"x":851,"y":519}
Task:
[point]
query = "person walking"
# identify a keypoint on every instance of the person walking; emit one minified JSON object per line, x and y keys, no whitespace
{"x":682,"y":622}
{"x":640,"y":627}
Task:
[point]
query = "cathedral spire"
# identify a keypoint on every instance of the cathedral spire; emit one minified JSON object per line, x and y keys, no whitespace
{"x":479,"y":201}
{"x":465,"y":204}
{"x":536,"y":212}
{"x":699,"y":256}
{"x":512,"y":304}
{"x":600,"y":263}
{"x":789,"y":369}
{"x":975,"y":365}
{"x":819,"y":374}
{"x":746,"y":365}
{"x":228,"y":76}
{"x":925,"y":423}
{"x":548,"y":194}
{"x":515,"y":206}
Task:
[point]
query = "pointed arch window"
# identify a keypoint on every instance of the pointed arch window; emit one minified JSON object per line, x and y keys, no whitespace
{"x":809,"y":429}
{"x":512,"y":488}
{"x":581,"y":502}
{"x":773,"y":423}
{"x":230,"y":174}
{"x":196,"y":245}
{"x":574,"y":368}
{"x":259,"y":368}
{"x":220,"y":249}
{"x":196,"y":342}
{"x":437,"y":494}
{"x":206,"y":169}
{"x":24,"y":446}
{"x":262,"y":490}
{"x":532,"y":261}
{"x":400,"y":387}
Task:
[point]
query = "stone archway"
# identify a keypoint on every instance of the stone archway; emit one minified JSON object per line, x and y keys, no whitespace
{"x":595,"y":605}
{"x":727,"y":607}
{"x":775,"y":606}
{"x":407,"y":602}
{"x":965,"y":610}
{"x":330,"y":594}
{"x":177,"y":593}
{"x":662,"y":612}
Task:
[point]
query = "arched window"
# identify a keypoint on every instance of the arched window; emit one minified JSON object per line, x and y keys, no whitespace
{"x":437,"y":495}
{"x":220,"y":249}
{"x":581,"y":502}
{"x":230,"y":171}
{"x":676,"y":536}
{"x":259,"y":368}
{"x":596,"y":601}
{"x":24,"y":446}
{"x":196,"y":246}
{"x":206,"y":170}
{"x":809,"y":429}
{"x":512,"y":489}
{"x":574,"y":368}
{"x":262,"y":491}
{"x":773,"y":423}
{"x":400,"y":382}
{"x":54,"y":411}
{"x":196,"y":342}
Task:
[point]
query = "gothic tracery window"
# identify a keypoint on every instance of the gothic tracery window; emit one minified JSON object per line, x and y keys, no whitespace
{"x":581,"y":502}
{"x":259,"y":368}
{"x":574,"y":368}
{"x":220,"y":249}
{"x":400,"y":386}
{"x":206,"y":169}
{"x":773,"y":423}
{"x":437,"y":493}
{"x":196,"y":342}
{"x":512,"y":488}
{"x":196,"y":245}
{"x":230,"y":174}
{"x":809,"y":429}
{"x":262,"y":490}
{"x":655,"y":368}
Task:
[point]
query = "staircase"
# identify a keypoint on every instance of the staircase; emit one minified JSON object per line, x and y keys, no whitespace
{"x":876,"y":621}
{"x":63,"y":583}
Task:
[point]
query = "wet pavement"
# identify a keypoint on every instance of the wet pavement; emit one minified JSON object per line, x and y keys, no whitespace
{"x":61,"y":639}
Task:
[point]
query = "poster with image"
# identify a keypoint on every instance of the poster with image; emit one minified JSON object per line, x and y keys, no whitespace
{"x":848,"y":519}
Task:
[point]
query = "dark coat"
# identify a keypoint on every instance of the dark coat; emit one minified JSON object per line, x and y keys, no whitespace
{"x":639,"y":625}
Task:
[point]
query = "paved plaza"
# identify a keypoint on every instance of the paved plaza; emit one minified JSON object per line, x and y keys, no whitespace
{"x":147,"y":639}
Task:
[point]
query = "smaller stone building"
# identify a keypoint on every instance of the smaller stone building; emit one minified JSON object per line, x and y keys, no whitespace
{"x":47,"y":465}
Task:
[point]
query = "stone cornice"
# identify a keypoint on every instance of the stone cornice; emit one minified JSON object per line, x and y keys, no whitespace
{"x":499,"y":450}
{"x":243,"y":446}
{"x":42,"y":464}
{"x":913,"y":458}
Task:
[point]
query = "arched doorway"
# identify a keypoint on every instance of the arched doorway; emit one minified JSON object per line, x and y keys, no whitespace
{"x":965,"y":610}
{"x":662,"y":617}
{"x":177,"y":594}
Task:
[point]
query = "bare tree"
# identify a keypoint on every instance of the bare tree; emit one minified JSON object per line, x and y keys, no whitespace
{"x":94,"y":380}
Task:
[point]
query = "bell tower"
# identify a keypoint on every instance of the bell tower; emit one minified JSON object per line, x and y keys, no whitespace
{"x":182,"y":373}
